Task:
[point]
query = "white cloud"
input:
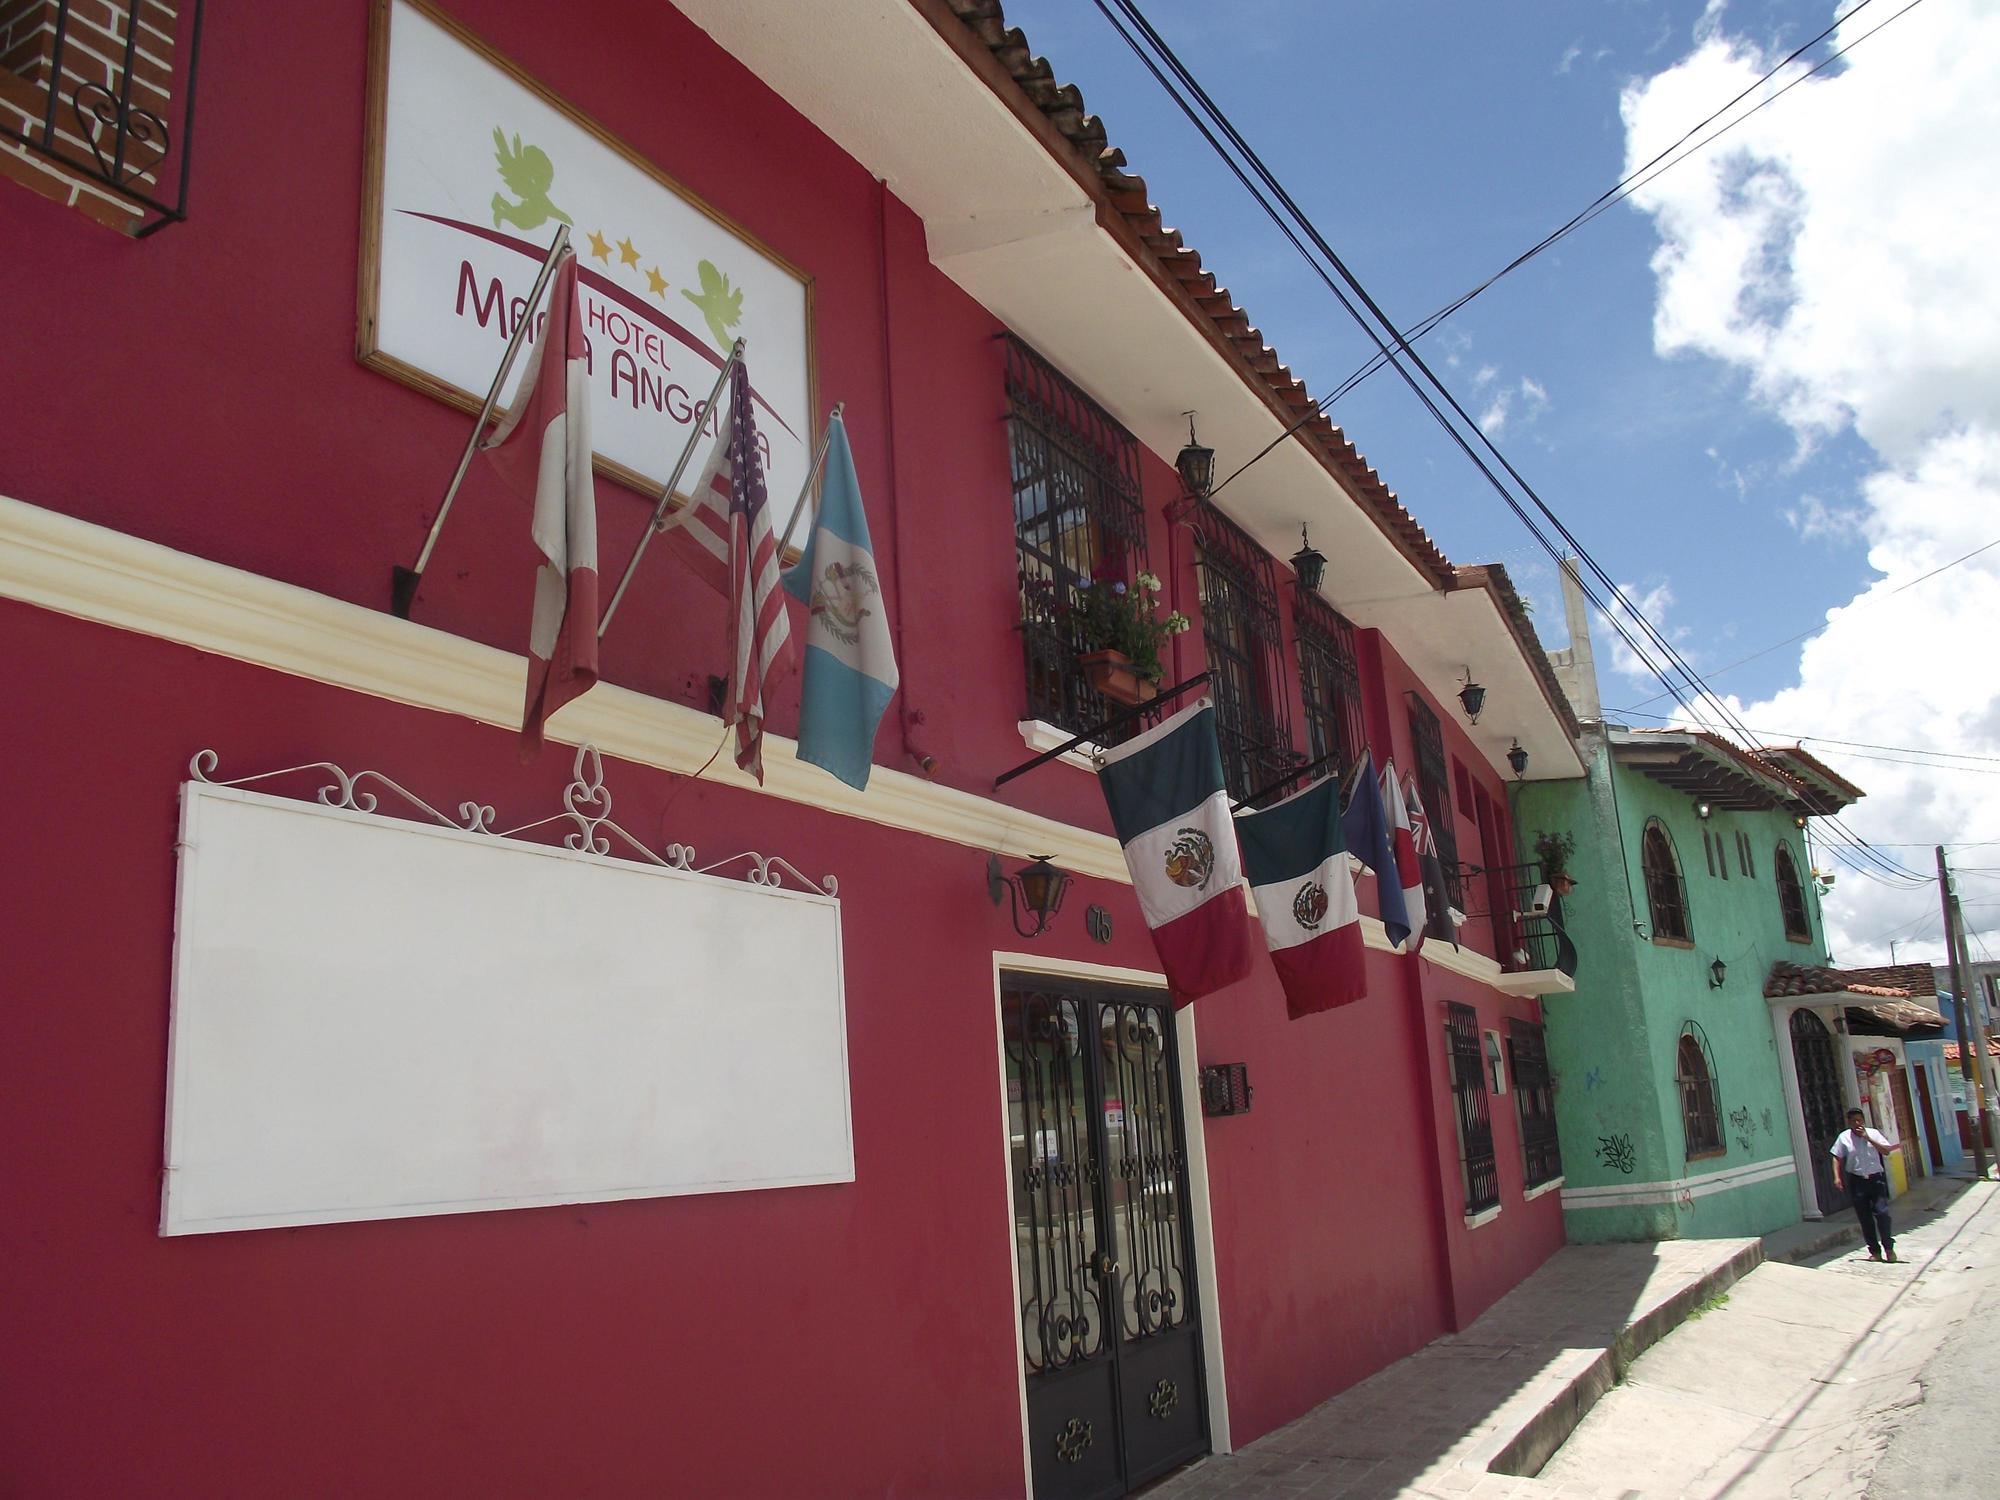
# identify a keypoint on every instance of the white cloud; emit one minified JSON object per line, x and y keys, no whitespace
{"x":1570,"y":54}
{"x":1493,"y":421}
{"x":1837,"y":249}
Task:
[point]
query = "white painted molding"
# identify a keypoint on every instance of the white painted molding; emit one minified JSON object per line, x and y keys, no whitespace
{"x":1483,"y":1217}
{"x":1552,"y":1185}
{"x":1039,"y":735}
{"x":1535,"y":982}
{"x":93,"y":573}
{"x":108,"y":577}
{"x":1628,"y":1195}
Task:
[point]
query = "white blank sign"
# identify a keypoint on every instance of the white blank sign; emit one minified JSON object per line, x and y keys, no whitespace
{"x":374,"y":1018}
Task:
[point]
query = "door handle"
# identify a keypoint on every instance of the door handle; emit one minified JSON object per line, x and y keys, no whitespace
{"x":1103,"y":1265}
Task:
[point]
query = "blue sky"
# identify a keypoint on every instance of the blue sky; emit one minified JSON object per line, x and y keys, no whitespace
{"x":1764,"y":393}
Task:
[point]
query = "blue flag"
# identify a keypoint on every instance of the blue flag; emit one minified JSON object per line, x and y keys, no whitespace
{"x":1364,"y":823}
{"x":850,"y":661}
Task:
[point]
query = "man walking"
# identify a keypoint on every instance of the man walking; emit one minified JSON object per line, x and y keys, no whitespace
{"x":1859,"y":1150}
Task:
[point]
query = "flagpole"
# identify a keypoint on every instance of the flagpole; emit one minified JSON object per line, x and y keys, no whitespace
{"x":659,"y":522}
{"x":1159,"y":701}
{"x":404,"y":581}
{"x":819,"y":462}
{"x":1305,"y":770}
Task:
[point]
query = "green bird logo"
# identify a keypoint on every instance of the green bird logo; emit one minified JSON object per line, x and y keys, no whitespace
{"x":527,"y":171}
{"x":721,"y":307}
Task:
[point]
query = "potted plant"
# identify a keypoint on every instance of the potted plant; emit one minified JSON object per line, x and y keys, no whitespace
{"x":1119,"y":632}
{"x":1554,"y":850}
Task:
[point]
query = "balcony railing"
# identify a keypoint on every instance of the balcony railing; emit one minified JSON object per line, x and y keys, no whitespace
{"x":1522,"y":942}
{"x":104,"y":93}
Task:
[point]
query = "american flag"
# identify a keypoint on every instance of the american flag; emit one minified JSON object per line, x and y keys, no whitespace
{"x":724,"y":534}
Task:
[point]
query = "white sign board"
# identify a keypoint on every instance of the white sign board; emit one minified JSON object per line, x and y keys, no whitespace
{"x":477,"y":169}
{"x":374,"y":1019}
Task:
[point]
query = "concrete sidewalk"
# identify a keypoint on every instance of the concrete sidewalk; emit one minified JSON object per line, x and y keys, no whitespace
{"x":1463,"y":1414}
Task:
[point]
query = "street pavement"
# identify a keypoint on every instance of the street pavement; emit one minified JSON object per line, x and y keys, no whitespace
{"x":1804,"y":1378}
{"x":1815,"y":1373}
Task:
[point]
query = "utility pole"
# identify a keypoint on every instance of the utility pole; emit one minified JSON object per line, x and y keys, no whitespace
{"x":1970,"y":1044}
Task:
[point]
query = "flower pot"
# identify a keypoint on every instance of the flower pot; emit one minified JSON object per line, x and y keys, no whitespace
{"x":1112,"y":675}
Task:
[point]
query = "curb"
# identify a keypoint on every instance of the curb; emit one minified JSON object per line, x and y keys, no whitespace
{"x":1524,"y":1454}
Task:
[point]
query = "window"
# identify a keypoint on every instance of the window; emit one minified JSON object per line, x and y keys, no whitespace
{"x":125,"y":64}
{"x":1708,"y":852}
{"x":1437,"y":805}
{"x":1077,"y":515}
{"x":1791,"y":897}
{"x":1666,"y":897}
{"x":1239,"y":617}
{"x":1744,"y":858}
{"x":1330,"y":685}
{"x":1475,"y":1120}
{"x":1534,"y":1102}
{"x":1700,"y":1121}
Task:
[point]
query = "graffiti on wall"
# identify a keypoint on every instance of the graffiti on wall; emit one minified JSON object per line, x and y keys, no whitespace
{"x":1744,"y":1125}
{"x":1616,"y":1152}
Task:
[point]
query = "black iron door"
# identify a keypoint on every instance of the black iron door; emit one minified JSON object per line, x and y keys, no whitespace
{"x":1109,"y":1329}
{"x":1817,"y":1062}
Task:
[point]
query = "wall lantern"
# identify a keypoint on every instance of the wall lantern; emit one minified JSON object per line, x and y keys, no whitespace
{"x":1717,"y":971}
{"x":1517,"y":757}
{"x":1308,"y":565}
{"x":1473,"y":696}
{"x":1702,"y":810}
{"x":1799,"y":821}
{"x":1196,"y":463}
{"x":1037,"y":886}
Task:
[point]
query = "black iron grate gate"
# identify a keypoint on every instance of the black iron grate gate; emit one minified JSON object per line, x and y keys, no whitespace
{"x":1817,"y":1062}
{"x":1103,"y":1240}
{"x":1534,"y":1102}
{"x":1475,"y":1119}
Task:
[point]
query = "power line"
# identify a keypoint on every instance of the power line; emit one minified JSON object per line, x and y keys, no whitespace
{"x":1769,"y":736}
{"x":1250,"y":163}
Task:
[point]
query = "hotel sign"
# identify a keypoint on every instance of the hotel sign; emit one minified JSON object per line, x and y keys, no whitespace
{"x":473,"y":168}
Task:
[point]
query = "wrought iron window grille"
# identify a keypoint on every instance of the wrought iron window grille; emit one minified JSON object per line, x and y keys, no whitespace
{"x":586,"y":815}
{"x":1524,"y":941}
{"x":1534,"y":1102}
{"x":1435,"y":790}
{"x":1244,"y":641}
{"x":1078,"y":515}
{"x":1329,"y":683}
{"x":1694,"y":1073}
{"x":114,"y":109}
{"x":1472,"y":1109}
{"x":1666,"y":894}
{"x":1791,"y":896}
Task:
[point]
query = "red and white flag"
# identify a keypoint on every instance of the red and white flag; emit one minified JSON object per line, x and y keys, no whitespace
{"x":541,"y":448}
{"x":724,"y":533}
{"x":1409,"y":869}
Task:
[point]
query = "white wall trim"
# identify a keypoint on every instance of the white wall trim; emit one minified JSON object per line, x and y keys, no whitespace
{"x":1627,"y":1195}
{"x":1483,"y":1217}
{"x":1039,"y":735}
{"x":1554,"y":1184}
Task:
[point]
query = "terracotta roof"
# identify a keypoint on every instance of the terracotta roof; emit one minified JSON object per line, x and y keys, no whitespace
{"x":1493,"y":577}
{"x":1835,"y":791}
{"x":1909,"y":979}
{"x":1710,"y":767}
{"x":1123,"y":195}
{"x":1813,"y":979}
{"x":1992,"y":1049}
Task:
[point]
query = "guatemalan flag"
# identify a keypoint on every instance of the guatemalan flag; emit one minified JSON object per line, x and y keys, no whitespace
{"x":1409,"y":868}
{"x":541,"y":448}
{"x":1296,"y":857}
{"x":1170,"y":811}
{"x":850,"y":669}
{"x":1366,"y":826}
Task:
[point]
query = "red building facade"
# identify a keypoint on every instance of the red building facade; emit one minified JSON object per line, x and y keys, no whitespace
{"x":200,"y":503}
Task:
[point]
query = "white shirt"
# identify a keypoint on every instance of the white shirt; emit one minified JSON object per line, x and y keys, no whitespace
{"x":1856,"y":1149}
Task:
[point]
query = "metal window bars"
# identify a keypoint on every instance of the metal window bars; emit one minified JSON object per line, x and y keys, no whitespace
{"x":1666,"y":896}
{"x":1077,"y":513}
{"x":1435,"y":790}
{"x":1245,"y":644}
{"x":1534,"y":1102}
{"x":1329,"y":683}
{"x":1472,"y":1107}
{"x":119,"y":98}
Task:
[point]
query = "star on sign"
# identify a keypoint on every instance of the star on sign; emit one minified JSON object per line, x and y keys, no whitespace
{"x":628,"y":253}
{"x":600,"y":247}
{"x":656,"y":283}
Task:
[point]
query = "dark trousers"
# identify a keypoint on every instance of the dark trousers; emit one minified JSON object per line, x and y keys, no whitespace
{"x":1870,"y":1197}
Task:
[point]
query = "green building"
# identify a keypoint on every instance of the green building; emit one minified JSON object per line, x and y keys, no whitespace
{"x":1678,"y":1118}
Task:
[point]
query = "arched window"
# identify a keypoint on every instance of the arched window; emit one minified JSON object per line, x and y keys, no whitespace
{"x":1700,"y":1120}
{"x":1665,"y":894}
{"x":1792,"y":897}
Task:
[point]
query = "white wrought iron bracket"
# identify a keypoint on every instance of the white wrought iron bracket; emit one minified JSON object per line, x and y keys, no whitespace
{"x":586,"y":808}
